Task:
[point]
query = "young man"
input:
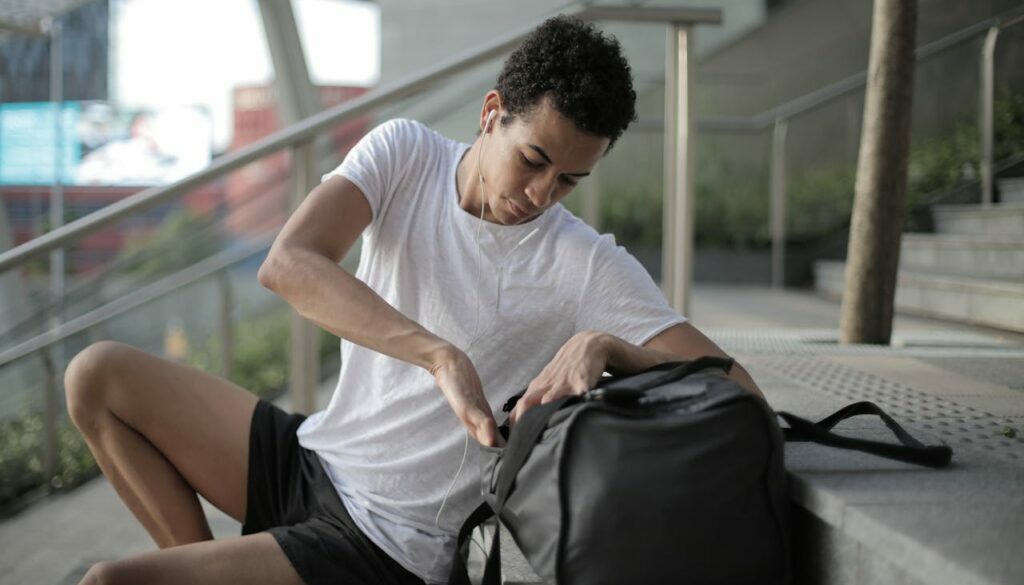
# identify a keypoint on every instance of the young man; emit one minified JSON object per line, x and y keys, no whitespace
{"x":474,"y":282}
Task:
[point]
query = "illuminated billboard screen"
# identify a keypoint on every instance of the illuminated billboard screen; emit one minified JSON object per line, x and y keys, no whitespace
{"x":99,"y":144}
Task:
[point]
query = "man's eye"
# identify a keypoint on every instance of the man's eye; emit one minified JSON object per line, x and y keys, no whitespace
{"x":568,"y":181}
{"x":529,"y":162}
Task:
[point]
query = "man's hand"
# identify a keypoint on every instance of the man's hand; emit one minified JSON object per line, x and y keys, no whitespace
{"x":459,"y":382}
{"x":576,"y":368}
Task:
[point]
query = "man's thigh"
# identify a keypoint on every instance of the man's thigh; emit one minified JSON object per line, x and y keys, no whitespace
{"x":254,"y":559}
{"x":199,"y":422}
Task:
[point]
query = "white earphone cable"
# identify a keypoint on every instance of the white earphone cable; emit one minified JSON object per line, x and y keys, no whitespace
{"x":478,"y":334}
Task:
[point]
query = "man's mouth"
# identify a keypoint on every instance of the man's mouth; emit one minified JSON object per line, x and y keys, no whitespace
{"x":519,"y":212}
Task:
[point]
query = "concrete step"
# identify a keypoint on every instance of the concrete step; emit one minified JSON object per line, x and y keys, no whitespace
{"x":991,"y":303}
{"x":1011,"y":190}
{"x":981,"y":256}
{"x":1004,"y":219}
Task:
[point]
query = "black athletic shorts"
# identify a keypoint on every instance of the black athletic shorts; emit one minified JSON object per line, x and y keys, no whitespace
{"x":291,"y":497}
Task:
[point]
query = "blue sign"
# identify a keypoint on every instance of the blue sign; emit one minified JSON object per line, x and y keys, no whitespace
{"x":101,"y":144}
{"x":29,"y":143}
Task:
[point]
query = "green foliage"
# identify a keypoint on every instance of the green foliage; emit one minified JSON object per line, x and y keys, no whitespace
{"x":732,"y":216}
{"x":21,"y":458}
{"x":821,"y":201}
{"x":183,"y":239}
{"x":633,"y":216}
{"x":261,"y":352}
{"x":1009,"y":125}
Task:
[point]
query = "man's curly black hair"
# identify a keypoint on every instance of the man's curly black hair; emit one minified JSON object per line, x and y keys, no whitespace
{"x":579,"y":68}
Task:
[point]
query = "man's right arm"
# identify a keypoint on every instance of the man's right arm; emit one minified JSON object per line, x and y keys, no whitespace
{"x":302,"y":268}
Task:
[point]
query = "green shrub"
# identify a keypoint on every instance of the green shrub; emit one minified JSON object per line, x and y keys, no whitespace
{"x":262,"y":344}
{"x":21,"y":458}
{"x":182,"y":239}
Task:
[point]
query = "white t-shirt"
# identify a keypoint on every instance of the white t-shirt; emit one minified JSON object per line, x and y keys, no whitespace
{"x":388,"y":439}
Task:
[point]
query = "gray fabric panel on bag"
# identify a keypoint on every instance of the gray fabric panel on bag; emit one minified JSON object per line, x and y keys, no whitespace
{"x":667,"y":513}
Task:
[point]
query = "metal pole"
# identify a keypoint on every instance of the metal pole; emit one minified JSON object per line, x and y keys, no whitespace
{"x":305,"y":347}
{"x":668,"y":231}
{"x":54,"y":360}
{"x":987,"y":98}
{"x":57,"y":188}
{"x":683,"y":212}
{"x":226,"y":326}
{"x":779,"y":203}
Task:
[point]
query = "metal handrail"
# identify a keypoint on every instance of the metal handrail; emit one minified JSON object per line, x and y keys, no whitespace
{"x":160,"y":288}
{"x":50,"y":304}
{"x":823,"y":95}
{"x":308,"y":128}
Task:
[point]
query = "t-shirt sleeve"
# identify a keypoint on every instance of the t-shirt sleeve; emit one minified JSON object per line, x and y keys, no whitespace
{"x":619,"y":296}
{"x":376,"y":165}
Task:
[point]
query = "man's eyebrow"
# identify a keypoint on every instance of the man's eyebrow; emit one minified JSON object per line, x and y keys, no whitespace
{"x":545,"y":156}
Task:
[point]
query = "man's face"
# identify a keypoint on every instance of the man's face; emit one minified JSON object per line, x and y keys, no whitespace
{"x":534,"y":162}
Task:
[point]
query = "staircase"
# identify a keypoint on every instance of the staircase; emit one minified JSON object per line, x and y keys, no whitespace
{"x":971,"y":270}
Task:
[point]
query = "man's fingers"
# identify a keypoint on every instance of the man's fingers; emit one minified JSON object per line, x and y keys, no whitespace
{"x":522,"y":404}
{"x":487,"y":434}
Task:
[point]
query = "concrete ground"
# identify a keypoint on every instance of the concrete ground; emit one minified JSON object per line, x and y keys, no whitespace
{"x":875,"y":521}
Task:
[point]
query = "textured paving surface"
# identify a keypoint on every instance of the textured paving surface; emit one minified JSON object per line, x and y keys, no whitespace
{"x":1007,"y":372}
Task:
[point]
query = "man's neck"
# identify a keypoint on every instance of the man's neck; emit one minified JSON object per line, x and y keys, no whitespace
{"x":467,"y":183}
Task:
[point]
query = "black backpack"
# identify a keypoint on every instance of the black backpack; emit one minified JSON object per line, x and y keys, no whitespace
{"x":673,"y":475}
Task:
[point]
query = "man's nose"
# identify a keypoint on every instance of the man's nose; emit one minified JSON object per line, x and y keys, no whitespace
{"x":539,"y":191}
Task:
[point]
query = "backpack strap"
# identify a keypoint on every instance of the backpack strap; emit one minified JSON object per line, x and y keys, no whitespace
{"x":520,"y":444}
{"x":651,"y":377}
{"x":910,"y":450}
{"x":492,"y":570}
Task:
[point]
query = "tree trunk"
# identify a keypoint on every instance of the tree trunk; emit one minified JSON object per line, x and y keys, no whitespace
{"x":880,"y":197}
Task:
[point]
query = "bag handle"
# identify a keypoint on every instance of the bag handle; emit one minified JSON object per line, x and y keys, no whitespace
{"x":909,"y":451}
{"x":492,"y":569}
{"x":667,"y":372}
{"x":520,"y":444}
{"x":656,"y":376}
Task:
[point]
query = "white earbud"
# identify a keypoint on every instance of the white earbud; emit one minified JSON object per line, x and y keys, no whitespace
{"x":487,"y":126}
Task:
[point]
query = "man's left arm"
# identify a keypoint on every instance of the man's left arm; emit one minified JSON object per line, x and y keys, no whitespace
{"x":578,"y":365}
{"x":679,"y":342}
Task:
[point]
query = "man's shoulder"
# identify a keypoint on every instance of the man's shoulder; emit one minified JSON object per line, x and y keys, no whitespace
{"x":405,"y":130}
{"x":572,"y":233}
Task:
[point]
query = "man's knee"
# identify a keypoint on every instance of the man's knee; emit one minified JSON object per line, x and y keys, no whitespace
{"x":86,"y":379}
{"x":98,"y":574}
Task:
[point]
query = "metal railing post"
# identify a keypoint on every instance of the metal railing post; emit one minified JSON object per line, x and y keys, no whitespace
{"x":51,"y":385}
{"x":304,"y":357}
{"x":54,"y":354}
{"x":668,"y":197}
{"x":778,"y":203}
{"x":225,"y":330}
{"x":987,"y":125}
{"x":683,"y":208}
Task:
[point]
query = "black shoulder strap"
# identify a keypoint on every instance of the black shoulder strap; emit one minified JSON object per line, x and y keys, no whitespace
{"x":649,"y":378}
{"x":520,"y":444}
{"x":492,"y":570}
{"x":910,"y":450}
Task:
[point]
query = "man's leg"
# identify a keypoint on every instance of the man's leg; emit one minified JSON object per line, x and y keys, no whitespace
{"x":254,"y":559}
{"x":161,"y":432}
